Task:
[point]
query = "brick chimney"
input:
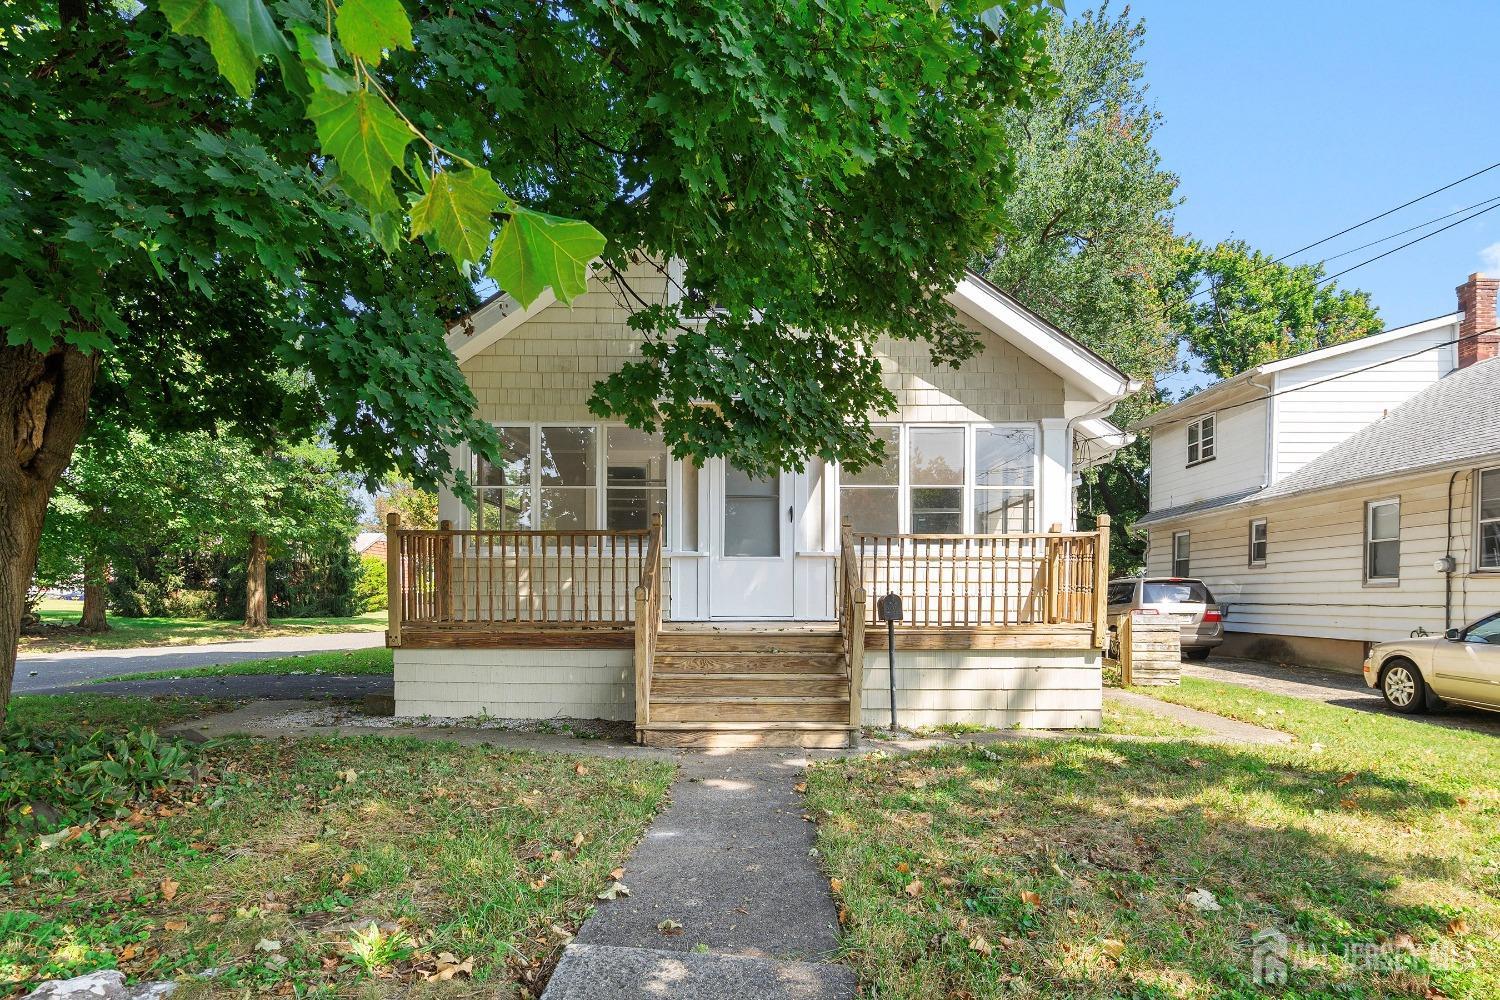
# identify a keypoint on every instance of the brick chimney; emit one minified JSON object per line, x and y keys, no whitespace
{"x":1476,"y":300}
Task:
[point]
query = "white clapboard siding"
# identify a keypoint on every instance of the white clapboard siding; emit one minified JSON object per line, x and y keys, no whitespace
{"x":1313,"y":581}
{"x":1316,"y":410}
{"x":1239,"y":463}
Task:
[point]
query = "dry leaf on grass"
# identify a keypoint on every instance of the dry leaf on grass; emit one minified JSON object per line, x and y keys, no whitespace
{"x":1030,"y":898}
{"x":1112,"y":947}
{"x":903,"y":867}
{"x":914,"y":888}
{"x":836,"y":884}
{"x":578,"y":839}
{"x":800,"y":787}
{"x":614,"y":891}
{"x":980,"y":945}
{"x":176,"y":925}
{"x":617,"y":874}
{"x":580,"y":770}
{"x":1458,"y":925}
{"x":348,"y":776}
{"x":449,"y":966}
{"x":169,"y":889}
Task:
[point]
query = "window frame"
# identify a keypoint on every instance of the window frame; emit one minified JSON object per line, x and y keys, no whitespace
{"x":1480,"y":520}
{"x":1187,"y":560}
{"x":1265,"y":542}
{"x":970,"y":486}
{"x":600,"y":487}
{"x":1369,"y":540}
{"x":1212,"y":451}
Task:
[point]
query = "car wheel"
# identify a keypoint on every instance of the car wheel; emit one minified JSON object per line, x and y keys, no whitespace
{"x":1197,"y":655}
{"x":1403,"y":687}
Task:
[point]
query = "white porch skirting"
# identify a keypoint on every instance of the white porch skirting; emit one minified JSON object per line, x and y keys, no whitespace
{"x":1033,"y":689}
{"x":516,"y":683}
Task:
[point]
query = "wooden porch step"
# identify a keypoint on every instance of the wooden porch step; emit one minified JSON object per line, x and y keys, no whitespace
{"x":764,"y":684}
{"x":746,"y":735}
{"x":749,"y":708}
{"x":748,"y":663}
{"x":712,"y":643}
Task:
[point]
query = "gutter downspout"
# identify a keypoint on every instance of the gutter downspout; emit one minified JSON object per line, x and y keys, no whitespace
{"x":1448,"y":564}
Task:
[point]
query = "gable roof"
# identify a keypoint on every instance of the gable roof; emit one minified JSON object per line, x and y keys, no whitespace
{"x":987,"y":304}
{"x":1244,"y":388}
{"x":1453,"y":422}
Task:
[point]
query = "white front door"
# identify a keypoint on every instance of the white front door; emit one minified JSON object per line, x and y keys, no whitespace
{"x":751,"y":572}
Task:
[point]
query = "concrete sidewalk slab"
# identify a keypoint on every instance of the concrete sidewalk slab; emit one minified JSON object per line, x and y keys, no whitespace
{"x":731,"y":861}
{"x":604,"y":972}
{"x":1218,"y":728}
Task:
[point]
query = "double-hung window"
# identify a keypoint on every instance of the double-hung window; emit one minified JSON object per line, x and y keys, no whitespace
{"x":1383,"y":541}
{"x":1258,"y":542}
{"x":1181,"y":550}
{"x":1200,"y":440}
{"x":1488,"y":490}
{"x":946,"y":480}
{"x":580,"y":477}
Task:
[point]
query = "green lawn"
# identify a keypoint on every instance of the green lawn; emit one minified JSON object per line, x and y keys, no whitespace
{"x":101,"y":711}
{"x":350,"y":663}
{"x":1064,"y":869}
{"x":58,"y":632}
{"x":272,"y":866}
{"x":1128,"y":720}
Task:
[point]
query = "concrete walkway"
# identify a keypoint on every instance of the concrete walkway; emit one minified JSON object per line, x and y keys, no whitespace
{"x":39,"y":672}
{"x":731,"y":863}
{"x":1331,"y":687}
{"x":1216,"y":727}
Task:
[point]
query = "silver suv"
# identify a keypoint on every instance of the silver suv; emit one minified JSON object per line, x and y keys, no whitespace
{"x":1177,"y":599}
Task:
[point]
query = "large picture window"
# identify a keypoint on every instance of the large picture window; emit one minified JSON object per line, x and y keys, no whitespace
{"x":578,"y":477}
{"x":1489,"y":519}
{"x":1383,"y":541}
{"x":946,"y":480}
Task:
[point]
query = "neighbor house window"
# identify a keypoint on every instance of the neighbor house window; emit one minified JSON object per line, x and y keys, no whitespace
{"x":1181,"y":544}
{"x":1258,"y":542}
{"x":1489,"y":519}
{"x":871,"y":497}
{"x":1200,"y":440}
{"x":571,"y":478}
{"x":1383,"y":541}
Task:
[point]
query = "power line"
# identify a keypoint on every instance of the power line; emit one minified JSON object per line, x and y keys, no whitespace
{"x":1411,"y":229}
{"x":1419,"y":239}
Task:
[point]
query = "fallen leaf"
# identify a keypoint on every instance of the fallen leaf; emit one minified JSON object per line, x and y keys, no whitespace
{"x":176,"y":925}
{"x":539,"y":884}
{"x":578,"y":839}
{"x":669,"y":928}
{"x":216,"y":918}
{"x":800,"y":787}
{"x":914,"y":888}
{"x":580,"y":770}
{"x":348,"y":776}
{"x":836,"y":884}
{"x":129,"y":952}
{"x":617,"y":874}
{"x":1030,"y":898}
{"x":169,"y":889}
{"x":903,"y":868}
{"x":1112,"y":947}
{"x":1193,"y":762}
{"x":980,"y":945}
{"x":614,"y":891}
{"x":1458,"y":925}
{"x":1349,"y":802}
{"x":1345,"y":779}
{"x":268,"y":945}
{"x":1203,"y":901}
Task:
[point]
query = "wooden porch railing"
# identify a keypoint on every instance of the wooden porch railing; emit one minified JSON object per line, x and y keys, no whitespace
{"x":647,"y":624}
{"x":988,"y":581}
{"x":473,"y":579}
{"x":851,"y":604}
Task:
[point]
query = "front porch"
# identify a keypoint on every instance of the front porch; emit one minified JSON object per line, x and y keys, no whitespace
{"x":997,"y":629}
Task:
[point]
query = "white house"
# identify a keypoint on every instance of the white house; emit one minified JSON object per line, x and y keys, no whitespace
{"x":599,"y":576}
{"x":1345,"y":496}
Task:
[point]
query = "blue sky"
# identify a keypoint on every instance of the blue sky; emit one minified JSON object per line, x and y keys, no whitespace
{"x":1288,"y":121}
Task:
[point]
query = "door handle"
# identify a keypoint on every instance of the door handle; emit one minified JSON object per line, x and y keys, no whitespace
{"x":789,"y":516}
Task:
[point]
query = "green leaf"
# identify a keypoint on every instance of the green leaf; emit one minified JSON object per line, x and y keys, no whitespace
{"x":456,"y":210}
{"x":232,"y":53}
{"x":365,"y":136}
{"x":535,"y":250}
{"x":369,"y":27}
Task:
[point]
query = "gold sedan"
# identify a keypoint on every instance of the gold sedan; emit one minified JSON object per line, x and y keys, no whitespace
{"x":1462,"y":666}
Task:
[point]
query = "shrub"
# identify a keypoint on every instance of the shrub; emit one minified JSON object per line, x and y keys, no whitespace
{"x":370,"y":591}
{"x":191,"y":604}
{"x":50,"y":779}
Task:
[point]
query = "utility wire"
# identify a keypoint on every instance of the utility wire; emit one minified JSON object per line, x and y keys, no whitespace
{"x":1419,"y":239}
{"x":1412,"y":229}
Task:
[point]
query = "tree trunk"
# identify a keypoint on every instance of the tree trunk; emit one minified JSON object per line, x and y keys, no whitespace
{"x":44,"y":401}
{"x":93,"y":619}
{"x":255,"y":584}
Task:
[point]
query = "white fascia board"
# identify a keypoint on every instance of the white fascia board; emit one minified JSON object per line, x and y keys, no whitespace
{"x":1374,"y":340}
{"x":1098,"y":440}
{"x":1056,"y":351}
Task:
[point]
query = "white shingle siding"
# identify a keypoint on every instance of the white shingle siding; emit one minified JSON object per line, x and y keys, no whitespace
{"x":516,"y":683}
{"x":1033,"y":689}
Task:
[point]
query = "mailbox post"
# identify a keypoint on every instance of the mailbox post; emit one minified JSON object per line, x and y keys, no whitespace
{"x":889,"y":608}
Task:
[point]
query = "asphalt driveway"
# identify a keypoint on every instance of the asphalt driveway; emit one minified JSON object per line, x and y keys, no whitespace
{"x":51,"y":672}
{"x":1330,"y":687}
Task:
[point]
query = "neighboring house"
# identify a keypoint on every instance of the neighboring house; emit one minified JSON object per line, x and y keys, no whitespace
{"x":370,"y":543}
{"x":599,"y":576}
{"x":1345,"y":496}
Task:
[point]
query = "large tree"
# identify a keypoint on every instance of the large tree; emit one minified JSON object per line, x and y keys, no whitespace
{"x":239,"y":220}
{"x":1088,"y":242}
{"x":1243,"y":308}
